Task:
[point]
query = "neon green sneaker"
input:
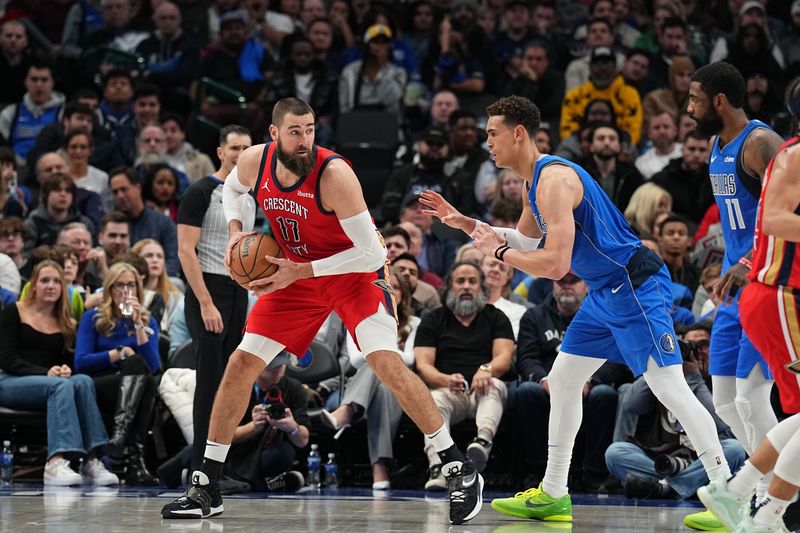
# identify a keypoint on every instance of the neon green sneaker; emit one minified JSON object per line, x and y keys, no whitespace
{"x":703,"y":521}
{"x":537,"y":504}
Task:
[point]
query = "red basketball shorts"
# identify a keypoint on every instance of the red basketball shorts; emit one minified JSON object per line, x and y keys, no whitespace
{"x":771,"y":318}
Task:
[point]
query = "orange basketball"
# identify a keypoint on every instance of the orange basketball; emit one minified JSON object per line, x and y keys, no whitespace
{"x":247,"y":259}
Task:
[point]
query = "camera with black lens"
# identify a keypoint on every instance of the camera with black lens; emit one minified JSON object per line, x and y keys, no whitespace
{"x":273,"y":403}
{"x":671,"y":464}
{"x":688,"y":351}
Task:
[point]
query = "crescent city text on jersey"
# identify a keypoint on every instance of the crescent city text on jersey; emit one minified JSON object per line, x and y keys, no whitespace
{"x":723,"y":184}
{"x":284,"y":204}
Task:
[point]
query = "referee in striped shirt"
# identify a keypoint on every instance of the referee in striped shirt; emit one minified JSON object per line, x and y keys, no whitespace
{"x":215,"y":305}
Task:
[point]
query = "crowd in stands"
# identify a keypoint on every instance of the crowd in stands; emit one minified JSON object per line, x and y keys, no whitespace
{"x":106,"y":111}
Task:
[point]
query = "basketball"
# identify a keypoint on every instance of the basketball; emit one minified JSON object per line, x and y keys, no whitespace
{"x":248,"y":262}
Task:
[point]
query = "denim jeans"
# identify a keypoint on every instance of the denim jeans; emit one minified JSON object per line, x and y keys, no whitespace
{"x":531,"y":405}
{"x":625,"y":458}
{"x":74,"y":423}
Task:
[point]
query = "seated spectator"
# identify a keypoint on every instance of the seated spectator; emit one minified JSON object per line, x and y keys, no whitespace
{"x":647,"y":202}
{"x":466,"y":155}
{"x":599,"y":33}
{"x":171,"y":55}
{"x":264,"y":445}
{"x":157,"y":281}
{"x":366,"y":397}
{"x":538,"y":82}
{"x":235,"y":60}
{"x":152,"y":301}
{"x":460,"y":351}
{"x":674,"y":241}
{"x":686,"y":179}
{"x":160,"y":190}
{"x":144,"y":222}
{"x":88,"y":203}
{"x":510,"y":42}
{"x":603,"y":83}
{"x":312,"y":10}
{"x":506,"y":186}
{"x":407,"y":238}
{"x":401,"y":54}
{"x":763,"y":100}
{"x":751,"y":12}
{"x":424,"y":296}
{"x":67,"y":258}
{"x":216,"y":9}
{"x":21,"y":122}
{"x":373,"y":82}
{"x":619,"y":179}
{"x":301,"y":75}
{"x":576,"y":146}
{"x":671,"y":99}
{"x":116,"y":107}
{"x":426,"y":171}
{"x":180,"y":154}
{"x":672,"y":44}
{"x":12,"y":197}
{"x":77,"y":236}
{"x":120,"y":31}
{"x":686,"y":124}
{"x":541,"y":331}
{"x":616,"y":13}
{"x":12,"y":239}
{"x":651,"y":454}
{"x":37,"y":334}
{"x":461,"y":58}
{"x":82,"y":19}
{"x":14,"y":60}
{"x":435,"y":253}
{"x":78,"y":145}
{"x":420,"y":29}
{"x":320,"y":33}
{"x":55,"y":211}
{"x":151,"y":149}
{"x":636,"y":69}
{"x":443,"y":104}
{"x":497,"y":278}
{"x":662,"y":131}
{"x":118,"y":346}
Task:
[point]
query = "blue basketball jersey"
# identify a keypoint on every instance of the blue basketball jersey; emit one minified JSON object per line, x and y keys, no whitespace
{"x":604,"y":241}
{"x":736,"y":193}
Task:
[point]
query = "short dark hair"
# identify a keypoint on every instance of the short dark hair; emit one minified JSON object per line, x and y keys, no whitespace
{"x":721,"y":78}
{"x":594,"y":4}
{"x":458,"y":114}
{"x":405,"y":256}
{"x":150,"y":178}
{"x":40,"y":62}
{"x":85,"y":92}
{"x":517,"y":110}
{"x":292,"y":105}
{"x":597,"y":125}
{"x":639,"y":52}
{"x":125,"y":171}
{"x":672,"y":217}
{"x":173,"y":117}
{"x":232,"y":128}
{"x":674,"y":22}
{"x":77,"y":108}
{"x":13,"y":225}
{"x":71,"y":134}
{"x":117,"y":73}
{"x":133,"y":259}
{"x":696,"y":135}
{"x":602,"y":101}
{"x":601,"y":20}
{"x":146,"y":89}
{"x":53,"y":183}
{"x":697,"y":326}
{"x":118,"y":217}
{"x":7,"y":156}
{"x":393,"y":231}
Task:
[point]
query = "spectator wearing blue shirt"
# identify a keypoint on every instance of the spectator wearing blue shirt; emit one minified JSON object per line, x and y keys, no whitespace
{"x":117,"y":345}
{"x":145,"y":223}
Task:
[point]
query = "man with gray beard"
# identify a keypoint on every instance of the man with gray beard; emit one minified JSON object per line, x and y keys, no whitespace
{"x":540,"y":333}
{"x":151,"y":149}
{"x":461,"y":351}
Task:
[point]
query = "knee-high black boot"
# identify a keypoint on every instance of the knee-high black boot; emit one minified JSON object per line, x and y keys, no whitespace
{"x":131,"y":388}
{"x":137,"y":472}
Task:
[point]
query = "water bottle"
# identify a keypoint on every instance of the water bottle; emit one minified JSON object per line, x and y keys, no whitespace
{"x":313,"y":467}
{"x":331,"y":472}
{"x":6,"y":464}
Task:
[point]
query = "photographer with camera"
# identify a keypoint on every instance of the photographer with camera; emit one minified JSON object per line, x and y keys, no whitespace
{"x":651,"y":453}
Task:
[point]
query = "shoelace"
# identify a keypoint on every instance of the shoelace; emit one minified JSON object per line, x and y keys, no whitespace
{"x":530,"y":493}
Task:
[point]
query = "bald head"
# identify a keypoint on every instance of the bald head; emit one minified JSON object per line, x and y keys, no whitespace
{"x":167,"y":19}
{"x":49,"y":164}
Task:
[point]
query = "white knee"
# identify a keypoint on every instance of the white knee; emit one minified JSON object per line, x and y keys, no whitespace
{"x":377,"y":332}
{"x":262,"y":347}
{"x":788,"y":466}
{"x":780,"y":435}
{"x":571,"y":371}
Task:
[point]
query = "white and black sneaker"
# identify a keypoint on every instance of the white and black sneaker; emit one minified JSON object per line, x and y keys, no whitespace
{"x":478,"y":452}
{"x":201,"y":500}
{"x":465,"y":486}
{"x":290,"y":481}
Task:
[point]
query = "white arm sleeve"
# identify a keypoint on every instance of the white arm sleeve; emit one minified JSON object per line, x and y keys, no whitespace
{"x":233,"y":197}
{"x":516,"y":240}
{"x":367,"y":254}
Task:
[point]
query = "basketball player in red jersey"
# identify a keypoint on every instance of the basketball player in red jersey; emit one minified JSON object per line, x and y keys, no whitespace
{"x":770,"y":312}
{"x":335,"y":260}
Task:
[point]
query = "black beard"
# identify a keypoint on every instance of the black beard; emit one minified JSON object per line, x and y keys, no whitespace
{"x":605,"y":156}
{"x":708,"y":126}
{"x":299,"y":166}
{"x":432,"y":164}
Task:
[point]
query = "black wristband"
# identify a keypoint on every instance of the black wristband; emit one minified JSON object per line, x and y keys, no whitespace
{"x":500,"y":252}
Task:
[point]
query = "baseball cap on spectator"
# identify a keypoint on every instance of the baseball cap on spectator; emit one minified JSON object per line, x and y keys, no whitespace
{"x":752,"y":4}
{"x":237,"y":15}
{"x":283,"y":358}
{"x":602,"y":53}
{"x":434,"y":134}
{"x":570,"y":277}
{"x":377,"y":30}
{"x":471,"y":4}
{"x":795,"y":9}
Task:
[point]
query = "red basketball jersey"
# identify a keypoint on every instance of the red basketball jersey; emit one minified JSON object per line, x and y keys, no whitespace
{"x":299,"y":222}
{"x":775,"y":261}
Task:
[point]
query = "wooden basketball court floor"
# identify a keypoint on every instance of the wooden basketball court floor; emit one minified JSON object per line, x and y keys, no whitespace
{"x":34,"y":508}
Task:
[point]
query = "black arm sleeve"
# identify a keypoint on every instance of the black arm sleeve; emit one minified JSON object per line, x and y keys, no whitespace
{"x":194,"y":203}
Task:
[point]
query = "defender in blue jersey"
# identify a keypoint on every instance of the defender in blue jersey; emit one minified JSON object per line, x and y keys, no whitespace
{"x":740,"y":152}
{"x":624,"y":318}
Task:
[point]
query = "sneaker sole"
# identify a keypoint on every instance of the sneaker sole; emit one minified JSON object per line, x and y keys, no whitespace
{"x":191,"y":513}
{"x":718,"y":511}
{"x":58,"y":482}
{"x":558,"y":518}
{"x":477,"y":508}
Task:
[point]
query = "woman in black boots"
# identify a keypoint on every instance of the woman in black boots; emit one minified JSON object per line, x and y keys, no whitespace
{"x":118,"y":346}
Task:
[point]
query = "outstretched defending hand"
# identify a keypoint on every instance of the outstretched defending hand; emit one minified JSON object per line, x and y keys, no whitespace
{"x":439,"y":207}
{"x":288,"y":272}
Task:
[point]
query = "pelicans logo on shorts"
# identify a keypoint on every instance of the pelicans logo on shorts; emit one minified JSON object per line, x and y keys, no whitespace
{"x":667,"y":342}
{"x":383,"y":284}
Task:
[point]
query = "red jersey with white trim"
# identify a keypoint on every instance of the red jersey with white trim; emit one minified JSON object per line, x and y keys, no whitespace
{"x":301,"y":225}
{"x":776,"y":262}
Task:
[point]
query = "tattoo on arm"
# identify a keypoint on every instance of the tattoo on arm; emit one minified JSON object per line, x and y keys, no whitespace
{"x":766,"y":146}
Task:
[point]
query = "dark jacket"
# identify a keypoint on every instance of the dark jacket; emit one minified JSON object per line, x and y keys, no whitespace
{"x":541,"y":330}
{"x":455,"y":189}
{"x":152,"y":225}
{"x":42,"y":229}
{"x":441,"y":253}
{"x":626,"y":180}
{"x":324,"y":97}
{"x":548,"y":93}
{"x":691,"y":191}
{"x":170,"y":64}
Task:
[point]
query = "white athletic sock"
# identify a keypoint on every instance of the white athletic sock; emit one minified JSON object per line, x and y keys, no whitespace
{"x":555,"y":477}
{"x":744,"y":482}
{"x":763,"y":486}
{"x":440,"y":439}
{"x":216,"y":451}
{"x":770,"y":511}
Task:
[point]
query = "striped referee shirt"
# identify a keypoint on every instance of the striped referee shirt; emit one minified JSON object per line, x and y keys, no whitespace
{"x":201,"y":207}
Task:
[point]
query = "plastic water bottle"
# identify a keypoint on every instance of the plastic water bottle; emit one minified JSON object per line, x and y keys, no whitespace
{"x":6,"y":465}
{"x":313,"y":467}
{"x":331,"y":472}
